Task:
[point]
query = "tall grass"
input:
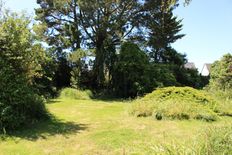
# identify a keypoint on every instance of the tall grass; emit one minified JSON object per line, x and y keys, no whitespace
{"x":72,"y":93}
{"x":224,"y":100}
{"x":213,"y":141}
{"x":173,"y":109}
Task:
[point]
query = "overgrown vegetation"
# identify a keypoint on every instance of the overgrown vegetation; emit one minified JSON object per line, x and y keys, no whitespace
{"x":20,"y":64}
{"x":176,"y":103}
{"x":180,"y":93}
{"x":218,"y":140}
{"x":103,"y":127}
{"x":19,"y":104}
{"x":213,"y":140}
{"x":71,"y":93}
{"x":112,"y":48}
{"x":221,"y":75}
{"x":220,"y":85}
{"x":118,"y":58}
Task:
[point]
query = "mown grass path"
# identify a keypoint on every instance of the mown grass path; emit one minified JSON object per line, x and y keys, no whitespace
{"x":92,"y":127}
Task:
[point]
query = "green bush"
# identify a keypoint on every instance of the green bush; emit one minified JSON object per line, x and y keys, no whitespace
{"x":19,"y":105}
{"x":221,"y":75}
{"x":181,"y":93}
{"x":72,"y":93}
{"x":176,"y":103}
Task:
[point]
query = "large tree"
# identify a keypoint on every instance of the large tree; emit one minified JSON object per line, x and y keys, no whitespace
{"x":163,"y":28}
{"x":98,"y":24}
{"x":131,"y":72}
{"x":59,"y":23}
{"x":59,"y":27}
{"x":105,"y":24}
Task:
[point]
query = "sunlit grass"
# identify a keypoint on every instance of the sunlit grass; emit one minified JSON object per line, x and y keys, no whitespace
{"x":104,"y":127}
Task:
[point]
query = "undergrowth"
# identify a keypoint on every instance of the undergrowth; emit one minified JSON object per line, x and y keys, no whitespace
{"x":72,"y":93}
{"x":176,"y":103}
{"x":213,"y":141}
{"x":180,"y":93}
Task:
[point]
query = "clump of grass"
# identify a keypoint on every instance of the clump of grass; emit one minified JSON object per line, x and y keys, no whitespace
{"x":224,"y":108}
{"x":142,"y":108}
{"x":176,"y":103}
{"x":213,"y":141}
{"x":72,"y":93}
{"x":224,"y":100}
{"x":218,"y":140}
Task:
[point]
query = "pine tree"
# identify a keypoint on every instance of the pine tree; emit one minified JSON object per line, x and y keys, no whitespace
{"x":163,"y":28}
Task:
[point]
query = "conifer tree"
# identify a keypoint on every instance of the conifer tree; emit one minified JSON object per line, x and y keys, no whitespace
{"x":163,"y":28}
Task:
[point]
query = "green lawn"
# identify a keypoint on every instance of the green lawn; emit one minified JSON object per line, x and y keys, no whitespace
{"x":104,"y":127}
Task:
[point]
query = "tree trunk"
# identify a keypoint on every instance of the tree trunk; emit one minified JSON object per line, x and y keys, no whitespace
{"x":99,"y":63}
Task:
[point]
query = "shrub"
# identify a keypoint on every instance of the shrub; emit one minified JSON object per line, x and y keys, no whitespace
{"x":176,"y":103}
{"x":72,"y":93}
{"x":19,"y":105}
{"x":182,"y":93}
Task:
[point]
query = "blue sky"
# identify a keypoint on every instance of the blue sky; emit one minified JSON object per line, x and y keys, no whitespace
{"x":206,"y":23}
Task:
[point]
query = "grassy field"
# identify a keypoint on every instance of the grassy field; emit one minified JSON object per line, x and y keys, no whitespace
{"x":104,"y":127}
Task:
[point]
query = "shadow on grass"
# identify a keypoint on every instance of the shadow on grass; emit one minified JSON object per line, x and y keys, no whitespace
{"x":53,"y":101}
{"x":111,"y":99}
{"x":46,"y":129}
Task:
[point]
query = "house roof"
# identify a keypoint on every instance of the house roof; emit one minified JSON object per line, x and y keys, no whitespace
{"x":190,"y":65}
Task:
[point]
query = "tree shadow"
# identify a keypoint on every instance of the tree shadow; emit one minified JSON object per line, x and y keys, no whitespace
{"x":53,"y":101}
{"x":45,"y":129}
